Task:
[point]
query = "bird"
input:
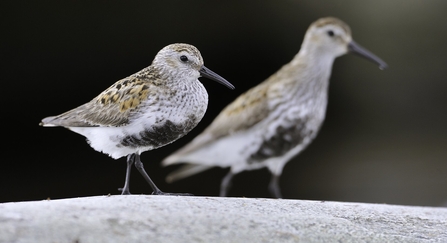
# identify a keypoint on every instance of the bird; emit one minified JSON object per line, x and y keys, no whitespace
{"x":271,"y":123}
{"x":146,"y":110}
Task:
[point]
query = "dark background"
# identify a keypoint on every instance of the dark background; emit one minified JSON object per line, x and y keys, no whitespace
{"x":384,"y":139}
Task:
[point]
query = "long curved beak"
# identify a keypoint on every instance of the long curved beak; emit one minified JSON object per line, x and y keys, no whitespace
{"x":207,"y":73}
{"x":361,"y":51}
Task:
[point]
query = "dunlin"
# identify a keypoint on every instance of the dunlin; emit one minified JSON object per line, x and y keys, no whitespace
{"x":147,"y":110}
{"x":274,"y":121}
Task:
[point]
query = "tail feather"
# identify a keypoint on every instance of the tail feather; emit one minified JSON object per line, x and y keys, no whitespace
{"x":186,"y":171}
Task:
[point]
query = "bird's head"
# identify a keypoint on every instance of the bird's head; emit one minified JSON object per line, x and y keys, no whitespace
{"x":330,"y":37}
{"x":184,"y":60}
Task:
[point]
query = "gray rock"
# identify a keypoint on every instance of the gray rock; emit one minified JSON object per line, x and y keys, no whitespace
{"x":143,"y":218}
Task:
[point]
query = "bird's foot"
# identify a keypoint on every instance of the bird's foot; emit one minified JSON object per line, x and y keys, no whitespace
{"x":124,"y":191}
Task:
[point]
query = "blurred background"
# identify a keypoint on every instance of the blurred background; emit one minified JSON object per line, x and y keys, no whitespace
{"x":385,"y":135}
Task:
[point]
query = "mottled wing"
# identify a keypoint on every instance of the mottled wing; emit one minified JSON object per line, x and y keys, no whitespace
{"x":113,"y":107}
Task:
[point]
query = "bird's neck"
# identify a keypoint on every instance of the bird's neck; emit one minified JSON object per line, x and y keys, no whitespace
{"x":314,"y":69}
{"x":305,"y":79}
{"x":318,"y":61}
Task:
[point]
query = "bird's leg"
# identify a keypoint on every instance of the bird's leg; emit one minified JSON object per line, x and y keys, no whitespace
{"x":274,"y":188}
{"x":140,"y":168}
{"x":225,"y":185}
{"x":156,"y":191}
{"x":130,"y":160}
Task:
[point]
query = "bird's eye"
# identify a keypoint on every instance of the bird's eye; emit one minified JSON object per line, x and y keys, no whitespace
{"x":184,"y":58}
{"x":330,"y":33}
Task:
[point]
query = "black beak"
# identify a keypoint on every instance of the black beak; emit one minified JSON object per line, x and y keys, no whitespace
{"x":205,"y":72}
{"x":361,"y":51}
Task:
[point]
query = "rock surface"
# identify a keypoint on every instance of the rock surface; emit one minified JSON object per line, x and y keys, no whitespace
{"x":144,"y":218}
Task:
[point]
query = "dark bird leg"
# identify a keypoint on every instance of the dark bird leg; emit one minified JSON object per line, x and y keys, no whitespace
{"x":130,"y":160}
{"x":274,"y":186}
{"x":225,"y":185}
{"x":156,"y":191}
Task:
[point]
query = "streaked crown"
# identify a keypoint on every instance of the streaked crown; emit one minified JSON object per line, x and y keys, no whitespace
{"x":179,"y":58}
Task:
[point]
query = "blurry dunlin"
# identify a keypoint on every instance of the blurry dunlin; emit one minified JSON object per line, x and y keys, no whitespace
{"x":147,"y":110}
{"x":273,"y":122}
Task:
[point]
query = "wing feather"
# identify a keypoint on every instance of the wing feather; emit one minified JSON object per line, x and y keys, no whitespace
{"x":111,"y":108}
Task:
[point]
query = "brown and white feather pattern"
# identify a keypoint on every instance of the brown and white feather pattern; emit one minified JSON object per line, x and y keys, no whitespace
{"x":111,"y":108}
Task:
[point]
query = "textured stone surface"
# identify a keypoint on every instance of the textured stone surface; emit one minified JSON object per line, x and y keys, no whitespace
{"x":143,"y":218}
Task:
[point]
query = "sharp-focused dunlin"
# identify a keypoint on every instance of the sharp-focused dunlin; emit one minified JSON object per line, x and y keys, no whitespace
{"x":147,"y":110}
